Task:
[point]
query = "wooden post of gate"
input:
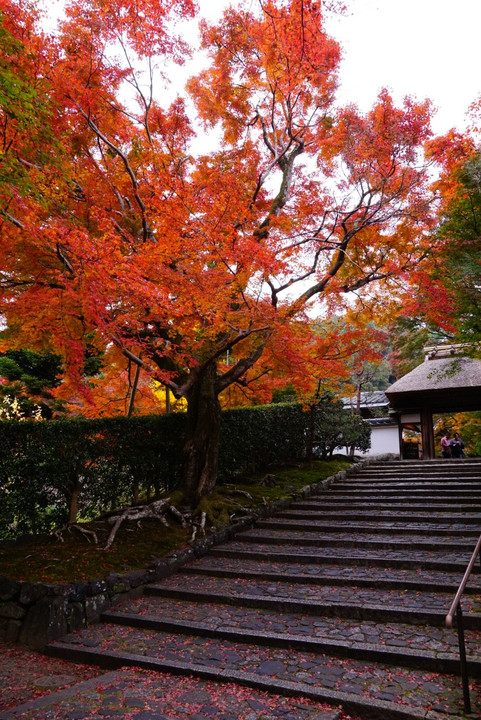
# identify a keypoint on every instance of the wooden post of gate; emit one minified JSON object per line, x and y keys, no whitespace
{"x":427,"y":432}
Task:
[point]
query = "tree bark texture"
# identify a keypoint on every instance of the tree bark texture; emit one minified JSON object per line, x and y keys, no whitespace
{"x":72,"y":500}
{"x":201,"y":449}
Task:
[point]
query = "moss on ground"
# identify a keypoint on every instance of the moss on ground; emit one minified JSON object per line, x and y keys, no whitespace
{"x":46,"y":559}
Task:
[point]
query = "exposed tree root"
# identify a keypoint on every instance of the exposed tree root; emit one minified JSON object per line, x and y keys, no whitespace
{"x":73,"y":526}
{"x":238,"y":505}
{"x":233,"y":490}
{"x":180,"y":516}
{"x":156,"y":510}
{"x":198,"y":526}
{"x":212,"y":511}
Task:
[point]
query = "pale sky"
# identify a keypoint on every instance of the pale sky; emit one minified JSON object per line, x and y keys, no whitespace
{"x":427,"y":48}
{"x":424,"y":48}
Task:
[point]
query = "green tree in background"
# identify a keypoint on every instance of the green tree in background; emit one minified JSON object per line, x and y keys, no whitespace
{"x":335,"y":427}
{"x":461,"y":230}
{"x":408,"y":337}
{"x":26,"y":378}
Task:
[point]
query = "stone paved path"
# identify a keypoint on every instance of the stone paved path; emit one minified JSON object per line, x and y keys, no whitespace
{"x":338,"y":599}
{"x":134,"y":694}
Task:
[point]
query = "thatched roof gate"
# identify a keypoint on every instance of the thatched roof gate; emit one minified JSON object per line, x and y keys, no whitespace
{"x":445,"y":382}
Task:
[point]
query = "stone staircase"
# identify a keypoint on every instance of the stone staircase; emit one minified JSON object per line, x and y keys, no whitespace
{"x":340,"y":598}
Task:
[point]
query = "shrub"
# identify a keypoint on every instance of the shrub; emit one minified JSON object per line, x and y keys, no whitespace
{"x":51,"y":472}
{"x":335,"y":427}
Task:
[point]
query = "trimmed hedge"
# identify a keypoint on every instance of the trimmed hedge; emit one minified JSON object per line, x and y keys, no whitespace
{"x":254,"y":438}
{"x":92,"y":466}
{"x":43,"y":465}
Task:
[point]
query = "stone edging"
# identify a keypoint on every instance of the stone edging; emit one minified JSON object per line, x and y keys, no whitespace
{"x":34,"y":614}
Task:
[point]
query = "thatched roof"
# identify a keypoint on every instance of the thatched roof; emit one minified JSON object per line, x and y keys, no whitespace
{"x":445,"y":383}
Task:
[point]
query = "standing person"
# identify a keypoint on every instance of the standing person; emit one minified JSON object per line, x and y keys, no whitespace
{"x":457,"y":446}
{"x":446,"y":444}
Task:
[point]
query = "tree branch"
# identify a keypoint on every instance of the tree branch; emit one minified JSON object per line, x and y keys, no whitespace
{"x":236,"y":372}
{"x":147,"y":232}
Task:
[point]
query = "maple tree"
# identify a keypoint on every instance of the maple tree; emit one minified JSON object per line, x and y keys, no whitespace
{"x":195,"y":263}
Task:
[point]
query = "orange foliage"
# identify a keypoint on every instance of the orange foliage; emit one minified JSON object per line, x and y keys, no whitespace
{"x":174,"y":257}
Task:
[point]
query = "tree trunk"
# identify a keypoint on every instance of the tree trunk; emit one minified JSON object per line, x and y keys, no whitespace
{"x":72,"y":500}
{"x":311,"y":435}
{"x":201,"y":449}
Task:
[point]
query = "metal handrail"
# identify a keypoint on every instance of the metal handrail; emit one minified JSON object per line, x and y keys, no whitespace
{"x":455,"y":609}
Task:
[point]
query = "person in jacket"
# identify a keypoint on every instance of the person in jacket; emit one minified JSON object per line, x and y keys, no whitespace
{"x":457,"y":446}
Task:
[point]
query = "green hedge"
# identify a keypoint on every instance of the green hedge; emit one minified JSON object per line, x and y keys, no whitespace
{"x":108,"y":462}
{"x":43,"y":464}
{"x":254,"y":438}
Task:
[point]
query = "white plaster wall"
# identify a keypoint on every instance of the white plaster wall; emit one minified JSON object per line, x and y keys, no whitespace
{"x":384,"y":439}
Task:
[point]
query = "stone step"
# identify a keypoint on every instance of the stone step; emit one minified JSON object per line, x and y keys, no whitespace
{"x":375,"y":689}
{"x":388,"y":501}
{"x":132,"y":693}
{"x":415,"y":483}
{"x":375,"y":514}
{"x":448,"y":495}
{"x":456,"y":464}
{"x":452,"y":469}
{"x":396,"y":499}
{"x":436,"y":505}
{"x":390,"y":542}
{"x":434,"y":502}
{"x":425,"y":647}
{"x":373,"y":528}
{"x":421,"y":490}
{"x":389,"y":578}
{"x":397,"y":508}
{"x":413,"y":479}
{"x":355,"y":557}
{"x":448,"y":480}
{"x":388,"y":490}
{"x":397,"y":605}
{"x":388,"y":494}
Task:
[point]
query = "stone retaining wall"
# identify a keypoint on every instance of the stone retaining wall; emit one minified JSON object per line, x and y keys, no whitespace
{"x":34,"y":614}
